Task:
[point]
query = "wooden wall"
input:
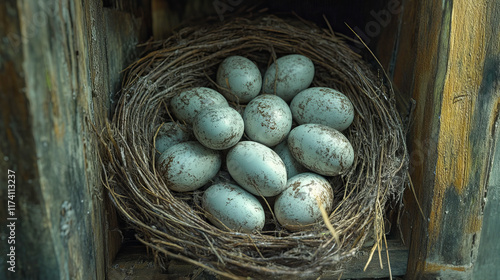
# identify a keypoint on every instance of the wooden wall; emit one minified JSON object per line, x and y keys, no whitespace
{"x":59,"y":65}
{"x":446,"y":57}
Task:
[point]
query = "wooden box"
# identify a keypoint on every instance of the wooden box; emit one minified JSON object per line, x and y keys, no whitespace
{"x":60,"y":67}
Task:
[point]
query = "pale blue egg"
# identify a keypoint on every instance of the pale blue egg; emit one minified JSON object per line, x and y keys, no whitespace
{"x":188,"y":166}
{"x":323,"y":106}
{"x":293,"y":167}
{"x":232,"y":207}
{"x":321,"y":149}
{"x":239,"y":78}
{"x":218,"y":128}
{"x":288,"y":75}
{"x":298,"y":205}
{"x":170,"y":134}
{"x":268,"y":119}
{"x":256,"y":168}
{"x":187,"y":104}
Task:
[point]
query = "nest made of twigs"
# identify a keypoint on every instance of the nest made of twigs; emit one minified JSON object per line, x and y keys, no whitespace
{"x":174,"y":226}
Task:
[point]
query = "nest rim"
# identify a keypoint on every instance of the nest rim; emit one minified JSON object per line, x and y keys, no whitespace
{"x":167,"y":224}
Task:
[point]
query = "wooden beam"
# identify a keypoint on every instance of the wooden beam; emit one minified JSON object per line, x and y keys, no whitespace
{"x":60,"y":233}
{"x":448,"y":60}
{"x":18,"y":153}
{"x":486,"y":266}
{"x":488,"y":256}
{"x":58,"y":67}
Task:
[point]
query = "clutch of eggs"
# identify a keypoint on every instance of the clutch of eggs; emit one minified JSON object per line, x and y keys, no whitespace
{"x":265,"y":156}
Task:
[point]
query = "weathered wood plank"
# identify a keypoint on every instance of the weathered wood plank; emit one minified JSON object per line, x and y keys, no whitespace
{"x":419,"y":64}
{"x":447,"y":58}
{"x":486,"y":266}
{"x":488,"y":254}
{"x":355,"y":268}
{"x":58,"y":235}
{"x":18,"y":153}
{"x":55,"y":73}
{"x":391,"y":18}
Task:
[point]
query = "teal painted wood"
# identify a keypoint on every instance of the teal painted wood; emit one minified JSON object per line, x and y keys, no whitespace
{"x":18,"y":153}
{"x":487,"y":262}
{"x":488,"y":259}
{"x":488,"y":254}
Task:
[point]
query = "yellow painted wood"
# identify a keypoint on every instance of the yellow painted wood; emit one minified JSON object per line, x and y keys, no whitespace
{"x":463,"y":79}
{"x":447,"y":58}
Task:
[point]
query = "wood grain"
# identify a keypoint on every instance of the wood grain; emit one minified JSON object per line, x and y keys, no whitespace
{"x":448,"y":59}
{"x":486,"y":149}
{"x":57,"y":73}
{"x":486,"y":265}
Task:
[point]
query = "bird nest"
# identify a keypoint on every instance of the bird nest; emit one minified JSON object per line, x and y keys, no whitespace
{"x":175,"y":226}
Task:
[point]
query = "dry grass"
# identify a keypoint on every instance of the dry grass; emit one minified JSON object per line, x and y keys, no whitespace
{"x":174,"y":225}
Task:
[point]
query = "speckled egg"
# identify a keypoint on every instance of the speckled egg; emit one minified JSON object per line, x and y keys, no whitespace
{"x":232,"y":207}
{"x":256,"y":168}
{"x":268,"y":119}
{"x":240,"y":78}
{"x":171,"y":133}
{"x":187,"y":104}
{"x":324,"y":106}
{"x":288,"y":75}
{"x":188,"y":166}
{"x":321,"y":149}
{"x":218,"y":128}
{"x":293,"y":167}
{"x":298,"y":205}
